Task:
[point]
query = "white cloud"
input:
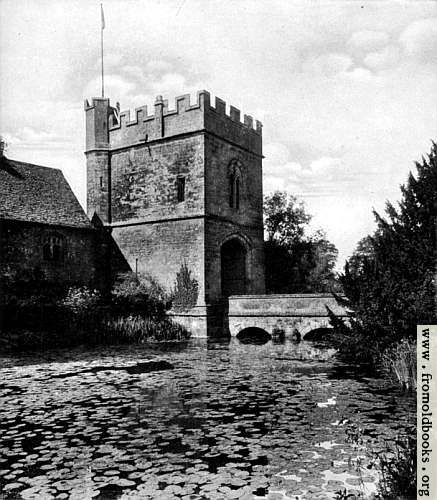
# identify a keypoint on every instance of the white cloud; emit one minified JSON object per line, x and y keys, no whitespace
{"x":276,"y":153}
{"x":172,"y":82}
{"x":325,"y":175}
{"x":115,"y":85}
{"x":368,"y":40}
{"x":326,"y":166}
{"x":359,"y":75}
{"x":328,"y":64}
{"x":419,"y":40}
{"x":383,"y":59}
{"x":158,"y":66}
{"x":112,"y":60}
{"x":134,"y":71}
{"x":29,"y":137}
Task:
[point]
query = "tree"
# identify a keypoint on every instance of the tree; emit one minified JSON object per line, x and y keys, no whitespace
{"x":186,"y":290}
{"x":389,"y":282}
{"x":295,"y":261}
{"x":322,"y":276}
{"x":285,"y":218}
{"x":363,"y":252}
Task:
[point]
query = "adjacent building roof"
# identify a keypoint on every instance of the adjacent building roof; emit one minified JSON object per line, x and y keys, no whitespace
{"x":38,"y":194}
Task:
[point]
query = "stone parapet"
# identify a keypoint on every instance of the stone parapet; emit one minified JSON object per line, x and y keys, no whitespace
{"x":284,"y":313}
{"x":128,"y":129}
{"x":308,"y":304}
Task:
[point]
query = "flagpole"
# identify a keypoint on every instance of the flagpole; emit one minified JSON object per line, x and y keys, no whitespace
{"x":101,"y":46}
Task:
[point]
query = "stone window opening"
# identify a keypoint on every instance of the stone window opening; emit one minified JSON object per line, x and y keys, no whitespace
{"x":101,"y":182}
{"x":235,"y":180}
{"x":180,"y":188}
{"x":53,"y":248}
{"x":234,"y":191}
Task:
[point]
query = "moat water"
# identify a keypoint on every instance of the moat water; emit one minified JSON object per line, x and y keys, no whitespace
{"x":202,"y":420}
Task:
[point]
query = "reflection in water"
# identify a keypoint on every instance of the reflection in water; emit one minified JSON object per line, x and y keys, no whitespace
{"x":228,"y":419}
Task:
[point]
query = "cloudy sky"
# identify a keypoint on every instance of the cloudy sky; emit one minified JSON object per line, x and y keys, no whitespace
{"x":346,"y":90}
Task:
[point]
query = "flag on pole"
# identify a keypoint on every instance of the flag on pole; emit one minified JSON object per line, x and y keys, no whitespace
{"x":101,"y":46}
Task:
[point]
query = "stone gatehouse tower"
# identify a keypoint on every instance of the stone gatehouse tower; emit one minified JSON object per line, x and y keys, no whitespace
{"x":180,"y":186}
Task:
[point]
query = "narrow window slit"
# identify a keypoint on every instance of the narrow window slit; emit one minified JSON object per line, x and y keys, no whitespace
{"x":181,"y":189}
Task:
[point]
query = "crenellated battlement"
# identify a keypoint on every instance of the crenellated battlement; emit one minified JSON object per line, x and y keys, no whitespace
{"x":126,"y":128}
{"x":234,"y":115}
{"x":141,"y":114}
{"x":182,"y":104}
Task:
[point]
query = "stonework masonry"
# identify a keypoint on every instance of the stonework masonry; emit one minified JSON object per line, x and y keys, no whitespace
{"x":22,"y":252}
{"x":44,"y":232}
{"x":136,"y":165}
{"x":287,"y":313}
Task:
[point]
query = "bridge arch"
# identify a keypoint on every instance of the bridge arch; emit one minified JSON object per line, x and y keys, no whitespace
{"x":318,"y":333}
{"x":308,"y":324}
{"x":253,"y":335}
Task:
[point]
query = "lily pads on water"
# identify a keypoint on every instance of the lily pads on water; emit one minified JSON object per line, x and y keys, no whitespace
{"x":199,"y":422}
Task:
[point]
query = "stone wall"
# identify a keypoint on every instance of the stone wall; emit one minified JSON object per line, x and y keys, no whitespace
{"x":144,"y":180}
{"x":159,"y":249}
{"x":98,"y":185}
{"x":22,"y":252}
{"x":156,"y":233}
{"x":224,"y":158}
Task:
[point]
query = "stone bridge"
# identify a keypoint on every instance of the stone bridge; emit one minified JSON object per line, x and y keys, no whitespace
{"x":304,"y":312}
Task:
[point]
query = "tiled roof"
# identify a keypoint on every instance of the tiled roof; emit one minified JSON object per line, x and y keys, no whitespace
{"x":38,"y":194}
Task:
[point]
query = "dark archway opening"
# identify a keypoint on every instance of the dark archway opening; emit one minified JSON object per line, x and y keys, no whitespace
{"x":233,"y":268}
{"x":253,"y":335}
{"x":319,"y":334}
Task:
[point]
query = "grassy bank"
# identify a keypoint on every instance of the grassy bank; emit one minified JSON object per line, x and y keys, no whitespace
{"x":400,"y":362}
{"x":395,"y":360}
{"x":392,"y":355}
{"x":87,"y":331}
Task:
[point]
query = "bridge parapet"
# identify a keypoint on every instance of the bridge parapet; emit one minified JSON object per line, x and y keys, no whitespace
{"x":304,"y":312}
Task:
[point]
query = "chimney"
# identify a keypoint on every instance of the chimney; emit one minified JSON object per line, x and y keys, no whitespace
{"x":2,"y":147}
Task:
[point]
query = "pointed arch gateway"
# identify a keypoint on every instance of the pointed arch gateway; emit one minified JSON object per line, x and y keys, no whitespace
{"x":234,"y":259}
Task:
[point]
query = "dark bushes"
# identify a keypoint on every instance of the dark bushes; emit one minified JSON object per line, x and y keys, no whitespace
{"x":135,"y":312}
{"x":397,"y":464}
{"x":394,"y":460}
{"x":138,"y":295}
